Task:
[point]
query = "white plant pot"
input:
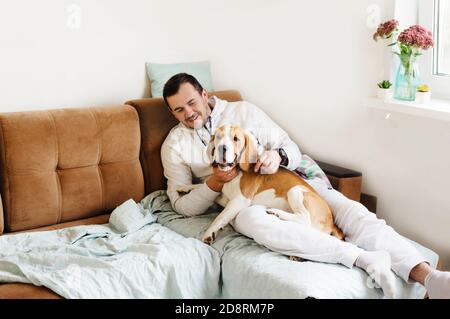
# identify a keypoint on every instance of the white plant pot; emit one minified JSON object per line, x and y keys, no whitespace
{"x":384,"y":94}
{"x":423,"y":97}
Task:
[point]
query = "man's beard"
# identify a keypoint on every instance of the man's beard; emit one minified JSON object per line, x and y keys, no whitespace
{"x":197,"y":123}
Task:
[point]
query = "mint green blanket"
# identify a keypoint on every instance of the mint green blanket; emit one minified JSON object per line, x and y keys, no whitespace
{"x":252,"y":271}
{"x":97,"y":262}
{"x":164,"y":258}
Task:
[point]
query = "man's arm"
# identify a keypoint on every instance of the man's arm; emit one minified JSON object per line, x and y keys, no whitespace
{"x":178,"y":173}
{"x":273,"y":137}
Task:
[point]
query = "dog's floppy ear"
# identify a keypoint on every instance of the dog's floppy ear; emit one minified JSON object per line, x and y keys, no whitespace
{"x":250,"y":153}
{"x":210,"y":149}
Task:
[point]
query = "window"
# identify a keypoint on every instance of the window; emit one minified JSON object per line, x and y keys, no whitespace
{"x":442,"y":36}
{"x":435,"y":64}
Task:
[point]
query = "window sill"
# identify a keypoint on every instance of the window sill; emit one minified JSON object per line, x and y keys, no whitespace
{"x":435,"y":109}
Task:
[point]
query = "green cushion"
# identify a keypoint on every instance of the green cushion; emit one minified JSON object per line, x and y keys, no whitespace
{"x":158,"y":74}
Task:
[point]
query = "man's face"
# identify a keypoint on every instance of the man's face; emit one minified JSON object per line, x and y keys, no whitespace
{"x":190,"y":107}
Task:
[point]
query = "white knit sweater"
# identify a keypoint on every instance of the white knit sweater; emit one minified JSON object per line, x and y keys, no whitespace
{"x":184,"y":158}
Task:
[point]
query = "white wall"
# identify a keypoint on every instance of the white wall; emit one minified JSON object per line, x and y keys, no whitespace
{"x":309,"y":64}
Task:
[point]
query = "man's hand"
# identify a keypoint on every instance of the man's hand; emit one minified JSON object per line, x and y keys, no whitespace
{"x":219,"y":178}
{"x":269,"y":162}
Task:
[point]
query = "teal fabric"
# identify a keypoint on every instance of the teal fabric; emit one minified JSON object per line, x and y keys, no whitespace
{"x":158,"y":74}
{"x":166,"y":259}
{"x":96,"y":261}
{"x":253,"y":271}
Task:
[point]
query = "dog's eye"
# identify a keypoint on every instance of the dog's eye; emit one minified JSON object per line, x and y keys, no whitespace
{"x":236,"y":139}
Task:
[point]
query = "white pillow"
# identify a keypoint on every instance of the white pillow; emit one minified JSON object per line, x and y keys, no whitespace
{"x":130,"y":217}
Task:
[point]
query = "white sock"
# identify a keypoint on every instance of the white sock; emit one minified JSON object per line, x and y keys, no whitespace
{"x":378,"y":265}
{"x":437,"y":284}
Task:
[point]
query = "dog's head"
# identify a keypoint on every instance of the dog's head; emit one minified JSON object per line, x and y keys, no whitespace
{"x":230,"y":146}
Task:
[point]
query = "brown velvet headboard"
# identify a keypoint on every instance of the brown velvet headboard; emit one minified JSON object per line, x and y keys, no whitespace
{"x":156,"y":122}
{"x":67,"y":164}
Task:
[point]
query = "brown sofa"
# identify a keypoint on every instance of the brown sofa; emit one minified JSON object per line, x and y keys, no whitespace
{"x":68,"y":167}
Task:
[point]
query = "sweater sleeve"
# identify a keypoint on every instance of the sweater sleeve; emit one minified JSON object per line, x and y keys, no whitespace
{"x":272,"y":137}
{"x":178,"y":173}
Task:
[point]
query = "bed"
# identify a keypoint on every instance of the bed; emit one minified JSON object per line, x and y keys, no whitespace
{"x":72,"y":167}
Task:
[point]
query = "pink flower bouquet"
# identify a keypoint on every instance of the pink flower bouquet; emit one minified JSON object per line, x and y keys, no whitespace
{"x":410,"y":42}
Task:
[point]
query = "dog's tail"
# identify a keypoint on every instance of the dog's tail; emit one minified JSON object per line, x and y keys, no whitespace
{"x":336,"y":232}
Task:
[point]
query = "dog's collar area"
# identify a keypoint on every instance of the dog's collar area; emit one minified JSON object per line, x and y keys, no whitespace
{"x":207,"y":127}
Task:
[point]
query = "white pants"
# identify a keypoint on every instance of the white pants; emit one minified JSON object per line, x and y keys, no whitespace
{"x":363,"y":231}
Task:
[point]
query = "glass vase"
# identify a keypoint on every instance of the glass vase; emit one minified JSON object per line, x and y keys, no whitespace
{"x":407,"y":79}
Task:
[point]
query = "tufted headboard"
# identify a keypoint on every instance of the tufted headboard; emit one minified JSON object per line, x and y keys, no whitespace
{"x":67,"y":164}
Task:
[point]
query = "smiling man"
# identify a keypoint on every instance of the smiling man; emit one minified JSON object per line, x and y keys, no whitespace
{"x":370,"y":243}
{"x":187,"y":142}
{"x":189,"y":102}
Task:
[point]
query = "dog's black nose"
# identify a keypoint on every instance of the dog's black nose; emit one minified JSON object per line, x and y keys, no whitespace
{"x":222,"y":149}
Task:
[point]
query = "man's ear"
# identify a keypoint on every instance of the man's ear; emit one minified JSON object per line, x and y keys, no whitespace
{"x":249,"y":154}
{"x":210,"y":149}
{"x":205,"y":95}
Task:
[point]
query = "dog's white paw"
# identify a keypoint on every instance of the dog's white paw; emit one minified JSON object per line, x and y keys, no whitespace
{"x":208,"y":238}
{"x":185,"y":189}
{"x":295,"y":258}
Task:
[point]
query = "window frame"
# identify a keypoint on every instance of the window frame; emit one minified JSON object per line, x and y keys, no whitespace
{"x":439,"y":83}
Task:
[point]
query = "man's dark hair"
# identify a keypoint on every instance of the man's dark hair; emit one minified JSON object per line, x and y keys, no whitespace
{"x":173,"y":85}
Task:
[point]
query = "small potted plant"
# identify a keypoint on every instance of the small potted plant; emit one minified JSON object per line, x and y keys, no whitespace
{"x":384,"y":91}
{"x":423,"y":94}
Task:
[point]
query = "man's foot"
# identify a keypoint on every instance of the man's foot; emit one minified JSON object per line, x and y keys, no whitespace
{"x":437,"y":284}
{"x":378,"y":265}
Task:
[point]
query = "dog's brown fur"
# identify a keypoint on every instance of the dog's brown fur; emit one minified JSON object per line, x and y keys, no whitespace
{"x":251,"y":184}
{"x":282,"y":181}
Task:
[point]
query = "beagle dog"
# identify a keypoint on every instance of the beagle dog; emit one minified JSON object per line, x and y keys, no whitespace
{"x":285,"y":194}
